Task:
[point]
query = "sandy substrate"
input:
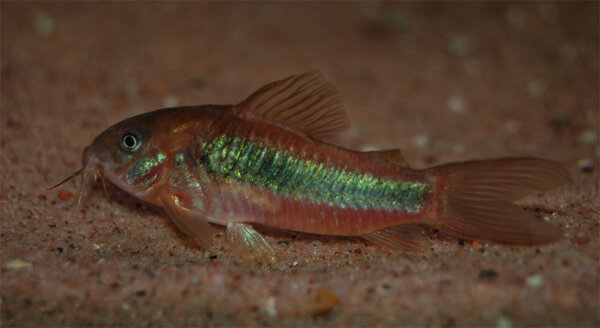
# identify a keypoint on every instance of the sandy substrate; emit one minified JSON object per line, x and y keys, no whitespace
{"x":443,"y":82}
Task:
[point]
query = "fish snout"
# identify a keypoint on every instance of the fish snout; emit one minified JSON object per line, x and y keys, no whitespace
{"x":89,"y":161}
{"x":87,"y":153}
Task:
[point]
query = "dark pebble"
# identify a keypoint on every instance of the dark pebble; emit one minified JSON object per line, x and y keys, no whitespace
{"x":487,"y":274}
{"x":140,"y":293}
{"x":560,"y":123}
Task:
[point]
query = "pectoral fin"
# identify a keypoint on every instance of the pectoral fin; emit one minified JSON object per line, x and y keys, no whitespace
{"x":250,"y":244}
{"x":189,"y":222}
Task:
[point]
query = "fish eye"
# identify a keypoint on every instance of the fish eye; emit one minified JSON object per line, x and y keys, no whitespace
{"x":130,"y":141}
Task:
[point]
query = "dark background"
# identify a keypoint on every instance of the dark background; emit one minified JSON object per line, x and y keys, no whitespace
{"x":441,"y":81}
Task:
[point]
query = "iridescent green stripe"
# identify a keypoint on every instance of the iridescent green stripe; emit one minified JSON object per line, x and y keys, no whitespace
{"x":238,"y":160}
{"x":141,"y":174}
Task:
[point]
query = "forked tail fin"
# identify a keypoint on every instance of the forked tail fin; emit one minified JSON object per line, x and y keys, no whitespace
{"x":474,"y":199}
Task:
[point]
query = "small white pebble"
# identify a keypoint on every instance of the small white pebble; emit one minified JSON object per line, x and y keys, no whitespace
{"x":96,"y":247}
{"x":170,"y":101}
{"x":368,"y":147}
{"x":457,"y":104}
{"x":295,"y":264}
{"x":511,"y":127}
{"x":44,"y":24}
{"x":421,"y":141}
{"x":18,"y":264}
{"x":270,"y":308}
{"x":588,"y":137}
{"x":585,"y":164}
{"x":459,"y":45}
{"x":535,"y":281}
{"x":536,"y":88}
{"x":504,"y":322}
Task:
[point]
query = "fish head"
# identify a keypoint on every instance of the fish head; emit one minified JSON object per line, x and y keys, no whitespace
{"x":134,"y":154}
{"x":127,"y":155}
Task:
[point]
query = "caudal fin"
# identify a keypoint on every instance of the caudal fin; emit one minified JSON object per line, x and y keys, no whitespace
{"x":475,"y":199}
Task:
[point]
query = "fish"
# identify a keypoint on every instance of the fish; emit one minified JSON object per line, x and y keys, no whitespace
{"x":263,"y":162}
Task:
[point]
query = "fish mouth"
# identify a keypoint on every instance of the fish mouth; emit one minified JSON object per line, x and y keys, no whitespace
{"x":90,"y":164}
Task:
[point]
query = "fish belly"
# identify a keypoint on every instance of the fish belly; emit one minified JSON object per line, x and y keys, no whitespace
{"x":235,"y":203}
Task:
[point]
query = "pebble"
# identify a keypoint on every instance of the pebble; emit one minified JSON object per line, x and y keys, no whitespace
{"x":270,"y":308}
{"x":488,"y":274}
{"x":535,"y":281}
{"x":369,"y":147}
{"x":170,"y":101}
{"x":421,"y":141}
{"x":585,"y":165}
{"x":18,"y":264}
{"x":459,"y":45}
{"x":589,"y":137}
{"x":44,"y":24}
{"x":323,"y":301}
{"x":536,"y":88}
{"x":581,"y":239}
{"x":511,"y":127}
{"x":64,"y":194}
{"x":457,"y":104}
{"x":504,"y":322}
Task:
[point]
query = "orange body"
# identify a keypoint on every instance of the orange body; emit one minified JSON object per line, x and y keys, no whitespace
{"x":262,"y":162}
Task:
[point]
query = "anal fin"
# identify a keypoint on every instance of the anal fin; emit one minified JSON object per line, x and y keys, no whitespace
{"x":190,"y":222}
{"x":251,"y":245}
{"x":406,"y":238}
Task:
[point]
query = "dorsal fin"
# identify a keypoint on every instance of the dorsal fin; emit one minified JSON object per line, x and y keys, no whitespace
{"x":305,"y":102}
